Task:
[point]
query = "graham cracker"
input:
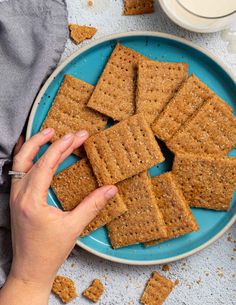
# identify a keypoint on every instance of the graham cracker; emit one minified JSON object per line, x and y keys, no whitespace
{"x":206,"y":181}
{"x":212,"y":130}
{"x":137,"y":7}
{"x":76,"y":182}
{"x":143,"y":221}
{"x":64,"y":288}
{"x":115,"y":91}
{"x":123,"y":150}
{"x":157,"y":290}
{"x":69,"y":112}
{"x":176,"y":213}
{"x":79,"y":33}
{"x":157,"y":83}
{"x":94,"y":291}
{"x":189,"y":98}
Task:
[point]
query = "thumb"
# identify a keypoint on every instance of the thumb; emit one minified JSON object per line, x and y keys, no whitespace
{"x":85,"y":212}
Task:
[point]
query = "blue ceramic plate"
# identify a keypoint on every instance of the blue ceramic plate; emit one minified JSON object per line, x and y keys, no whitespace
{"x":87,"y":64}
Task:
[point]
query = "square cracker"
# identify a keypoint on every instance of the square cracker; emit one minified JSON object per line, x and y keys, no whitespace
{"x":114,"y":94}
{"x":206,"y":181}
{"x":143,"y":220}
{"x":137,"y":7}
{"x":64,"y":288}
{"x":189,"y":98}
{"x":176,"y":212}
{"x":157,"y":83}
{"x":69,"y":111}
{"x":123,"y":150}
{"x":94,"y":291}
{"x":74,"y":183}
{"x":212,"y":130}
{"x":157,"y":290}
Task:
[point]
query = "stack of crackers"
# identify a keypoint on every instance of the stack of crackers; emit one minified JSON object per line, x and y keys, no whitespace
{"x":148,"y":100}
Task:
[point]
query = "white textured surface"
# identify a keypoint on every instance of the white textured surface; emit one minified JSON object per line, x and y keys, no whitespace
{"x":206,"y":278}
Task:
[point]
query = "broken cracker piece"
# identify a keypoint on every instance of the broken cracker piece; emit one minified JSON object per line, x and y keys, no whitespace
{"x":206,"y":181}
{"x":123,"y":150}
{"x":115,"y":92}
{"x":212,"y":130}
{"x":157,"y":290}
{"x":137,"y":7}
{"x":79,"y":33}
{"x":143,"y":221}
{"x":94,"y":291}
{"x":156,"y":85}
{"x":176,"y":212}
{"x":64,"y":288}
{"x":76,"y":182}
{"x":69,"y":112}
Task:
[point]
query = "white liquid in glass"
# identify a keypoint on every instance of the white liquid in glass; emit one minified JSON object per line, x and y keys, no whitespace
{"x":210,"y":8}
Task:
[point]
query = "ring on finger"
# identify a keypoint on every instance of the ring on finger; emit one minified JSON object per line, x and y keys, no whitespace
{"x":16,"y":174}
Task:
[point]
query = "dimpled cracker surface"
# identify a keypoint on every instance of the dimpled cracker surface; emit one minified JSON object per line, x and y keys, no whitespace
{"x":114,"y":94}
{"x":123,"y":150}
{"x":190,"y":97}
{"x":64,"y":288}
{"x":137,"y":7}
{"x":206,"y":181}
{"x":156,"y":85}
{"x":74,"y":183}
{"x":176,"y":213}
{"x":143,"y":221}
{"x":69,"y":112}
{"x":94,"y":291}
{"x":212,"y":130}
{"x":79,"y":33}
{"x":157,"y":290}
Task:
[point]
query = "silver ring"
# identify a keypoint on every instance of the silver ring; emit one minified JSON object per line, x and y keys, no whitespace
{"x":16,"y":174}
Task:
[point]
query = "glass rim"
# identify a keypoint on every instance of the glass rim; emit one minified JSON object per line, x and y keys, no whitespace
{"x":205,"y":17}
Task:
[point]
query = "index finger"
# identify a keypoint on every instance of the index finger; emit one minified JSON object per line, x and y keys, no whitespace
{"x":43,"y":170}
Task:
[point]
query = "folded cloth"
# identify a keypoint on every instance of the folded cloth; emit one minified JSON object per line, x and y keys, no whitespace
{"x":33,"y":34}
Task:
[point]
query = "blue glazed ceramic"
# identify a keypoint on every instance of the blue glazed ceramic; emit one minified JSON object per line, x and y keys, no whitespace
{"x":87,"y":64}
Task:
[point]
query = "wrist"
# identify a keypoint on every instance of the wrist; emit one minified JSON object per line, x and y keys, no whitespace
{"x":26,"y":292}
{"x":35,"y":275}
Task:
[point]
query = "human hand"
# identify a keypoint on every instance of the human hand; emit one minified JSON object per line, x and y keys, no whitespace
{"x":42,"y":235}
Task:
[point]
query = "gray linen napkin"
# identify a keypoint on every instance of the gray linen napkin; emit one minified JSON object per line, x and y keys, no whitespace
{"x":33,"y":34}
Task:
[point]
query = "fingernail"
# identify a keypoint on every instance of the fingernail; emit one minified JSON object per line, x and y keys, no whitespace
{"x":46,"y":131}
{"x":82,"y":133}
{"x":110,"y":193}
{"x":67,"y":137}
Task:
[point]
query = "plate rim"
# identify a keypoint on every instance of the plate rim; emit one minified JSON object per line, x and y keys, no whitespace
{"x":87,"y":47}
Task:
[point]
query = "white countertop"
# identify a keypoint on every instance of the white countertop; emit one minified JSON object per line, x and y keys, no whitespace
{"x":206,"y":278}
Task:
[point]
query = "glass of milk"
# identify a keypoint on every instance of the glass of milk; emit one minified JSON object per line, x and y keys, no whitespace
{"x":201,"y":15}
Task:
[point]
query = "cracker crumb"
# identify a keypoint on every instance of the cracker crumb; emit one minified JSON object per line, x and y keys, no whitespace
{"x":64,"y":288}
{"x":90,"y":3}
{"x":189,"y":286}
{"x":198,"y":281}
{"x":234,"y":249}
{"x":177,"y":282}
{"x":206,"y":273}
{"x":79,"y":33}
{"x":230,"y":239}
{"x":220,"y":274}
{"x":94,"y":291}
{"x":165,"y":268}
